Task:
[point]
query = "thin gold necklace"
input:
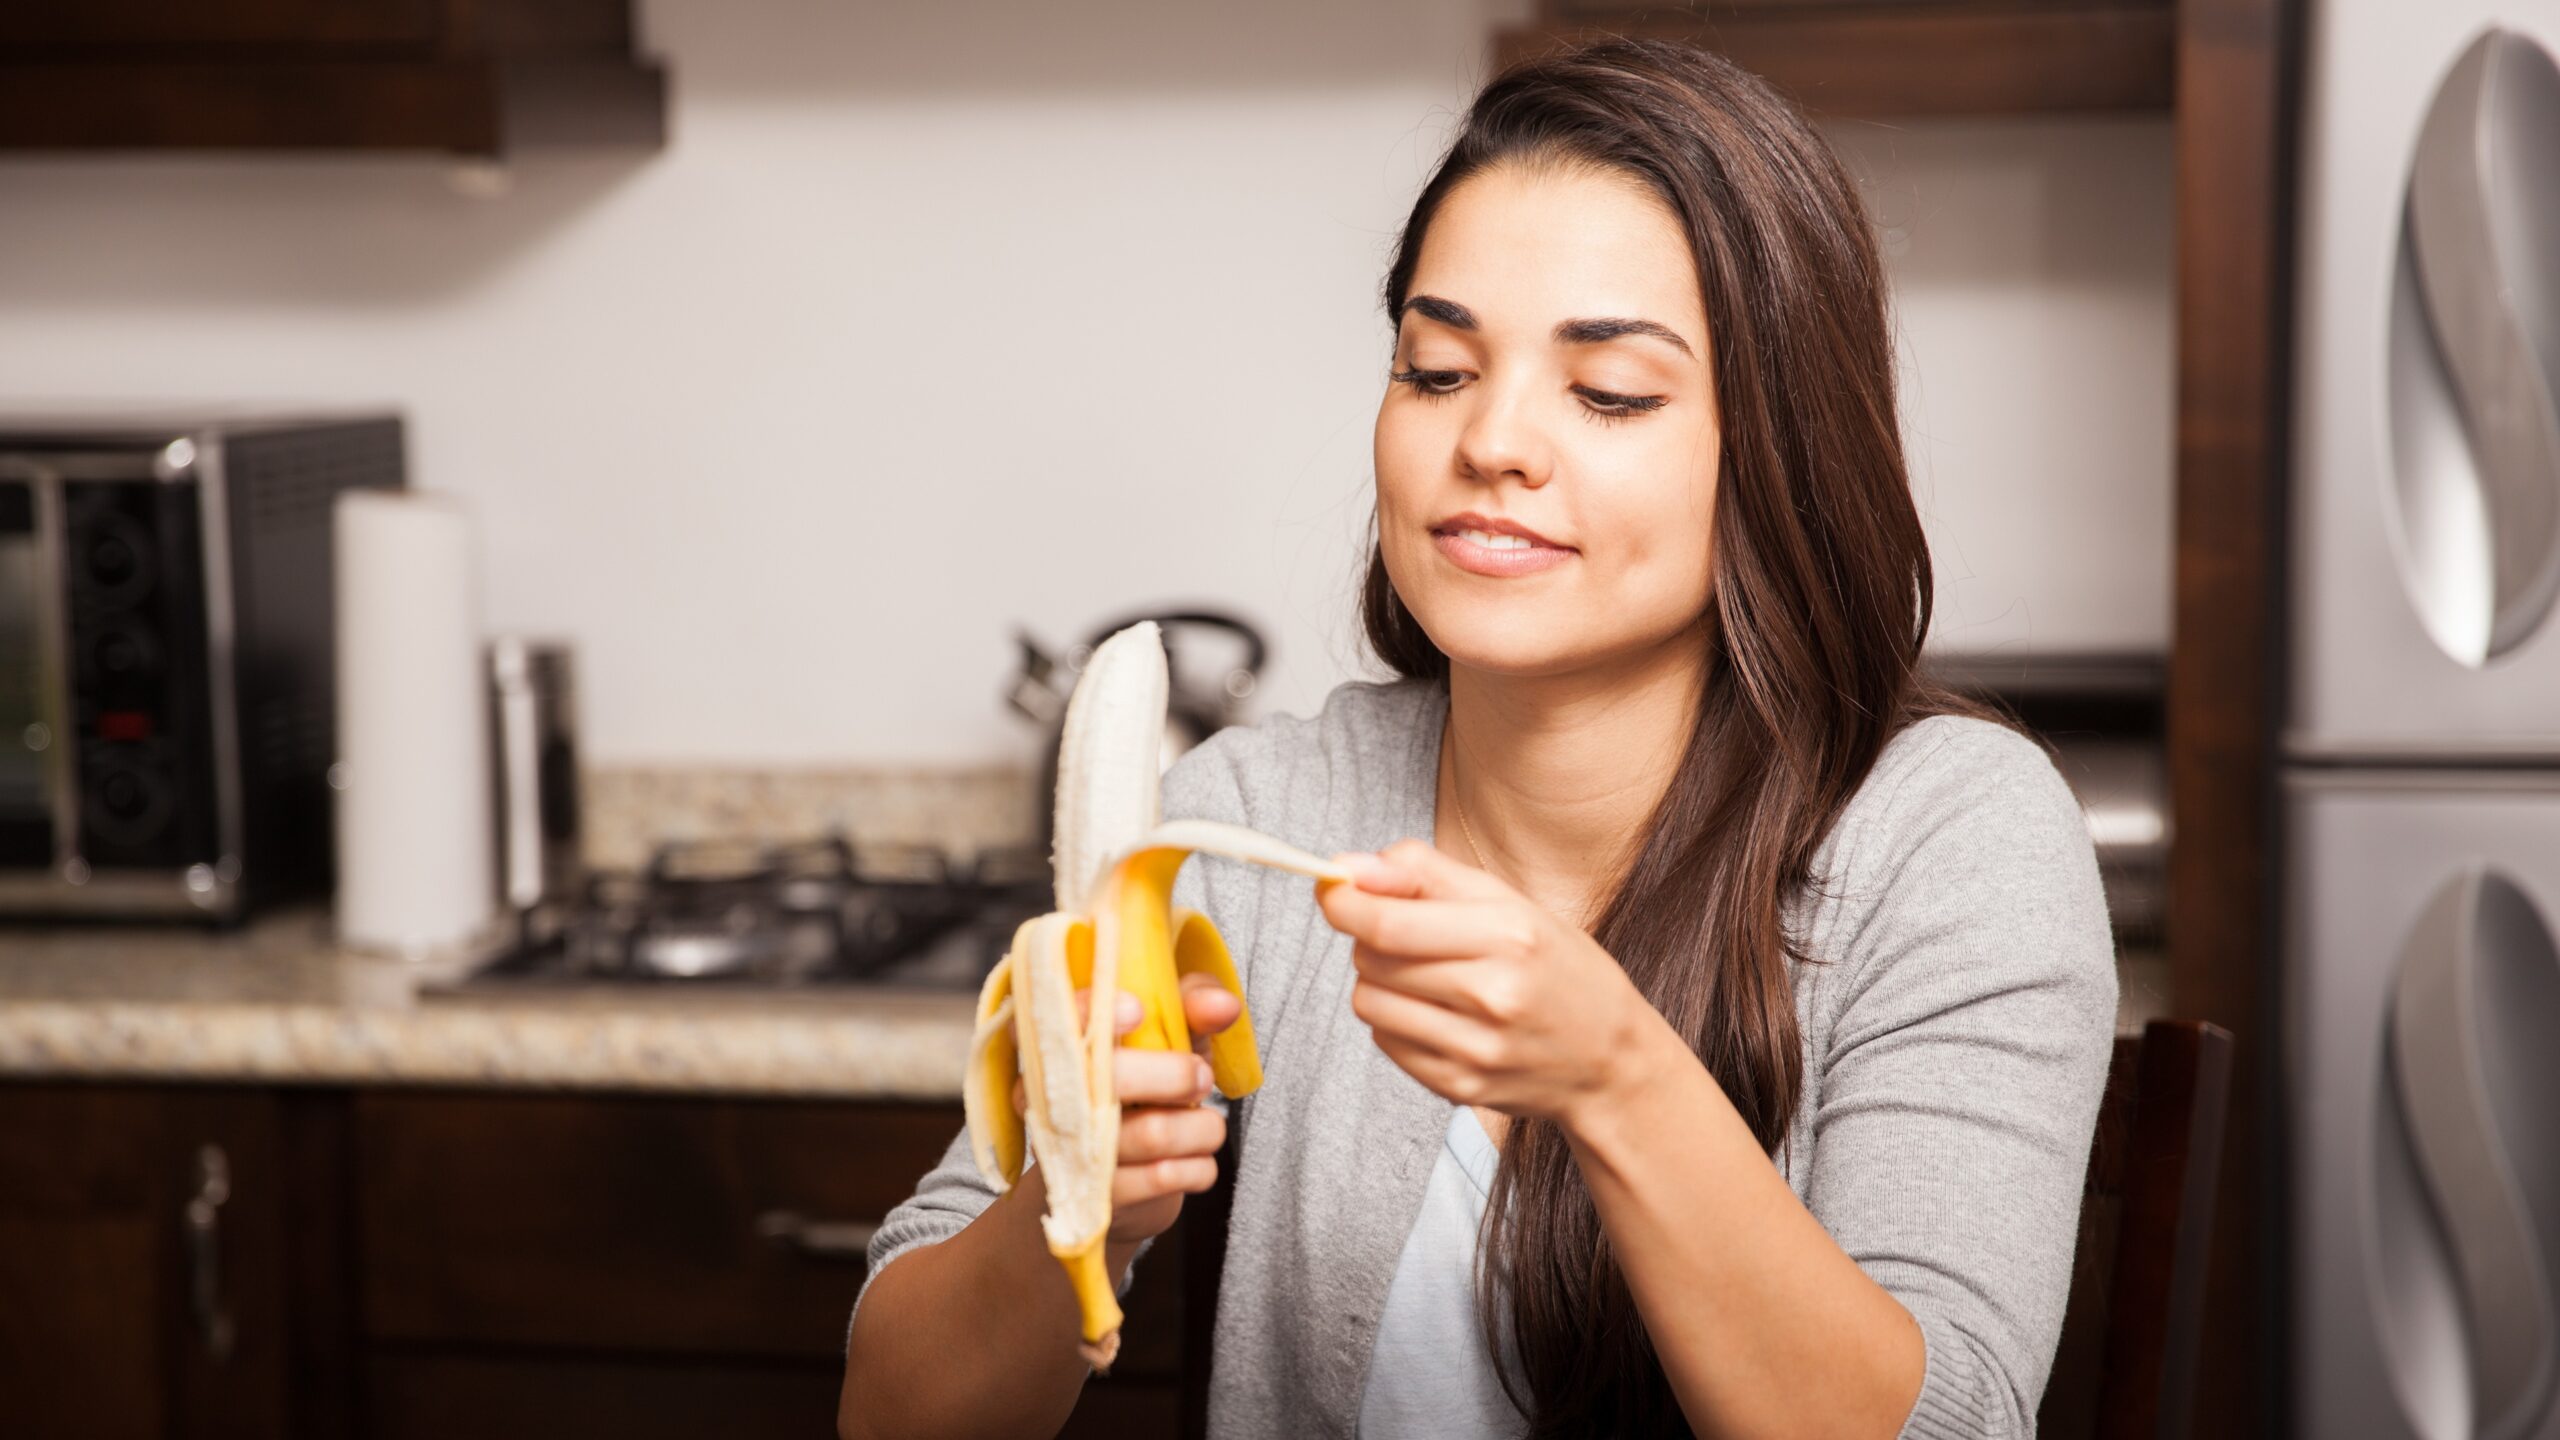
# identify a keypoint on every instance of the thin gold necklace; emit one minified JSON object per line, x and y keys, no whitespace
{"x":1450,"y":742}
{"x":1460,"y":805}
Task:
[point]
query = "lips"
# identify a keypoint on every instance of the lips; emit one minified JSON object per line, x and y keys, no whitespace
{"x":1473,"y":554}
{"x":1471,"y":520}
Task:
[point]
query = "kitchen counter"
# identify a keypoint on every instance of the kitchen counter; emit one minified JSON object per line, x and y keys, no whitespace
{"x":279,"y":1002}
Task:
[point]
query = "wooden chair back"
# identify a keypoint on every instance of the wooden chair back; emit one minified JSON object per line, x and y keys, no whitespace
{"x":2125,"y":1366}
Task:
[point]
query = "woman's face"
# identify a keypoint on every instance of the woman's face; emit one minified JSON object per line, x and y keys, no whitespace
{"x":1553,"y":356}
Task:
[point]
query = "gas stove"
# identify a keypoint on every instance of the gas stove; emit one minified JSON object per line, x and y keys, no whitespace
{"x":822,"y":912}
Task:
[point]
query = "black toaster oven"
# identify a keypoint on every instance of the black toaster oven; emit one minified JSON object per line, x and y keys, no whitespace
{"x":166,"y":652}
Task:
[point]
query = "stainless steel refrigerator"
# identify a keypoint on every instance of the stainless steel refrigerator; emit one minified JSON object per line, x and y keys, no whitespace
{"x":2422,"y":745}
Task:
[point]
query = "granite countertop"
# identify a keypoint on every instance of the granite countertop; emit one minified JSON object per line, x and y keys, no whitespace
{"x":280,"y":1002}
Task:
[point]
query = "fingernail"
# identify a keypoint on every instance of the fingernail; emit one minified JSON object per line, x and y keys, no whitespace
{"x":1127,"y":1010}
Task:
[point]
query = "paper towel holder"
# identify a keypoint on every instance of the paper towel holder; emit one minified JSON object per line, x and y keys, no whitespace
{"x":535,"y":788}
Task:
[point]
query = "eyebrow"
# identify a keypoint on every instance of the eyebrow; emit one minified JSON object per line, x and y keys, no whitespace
{"x":1568,"y":332}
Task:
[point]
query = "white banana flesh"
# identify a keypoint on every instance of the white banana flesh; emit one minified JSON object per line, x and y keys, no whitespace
{"x":1116,"y":928}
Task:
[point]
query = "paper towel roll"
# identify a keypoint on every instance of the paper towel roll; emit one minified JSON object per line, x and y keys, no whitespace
{"x":413,"y":823}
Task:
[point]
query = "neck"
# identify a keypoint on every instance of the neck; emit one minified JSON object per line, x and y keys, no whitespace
{"x":1557,"y":774}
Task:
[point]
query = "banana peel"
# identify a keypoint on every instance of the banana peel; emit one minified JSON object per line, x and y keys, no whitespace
{"x":1116,"y":928}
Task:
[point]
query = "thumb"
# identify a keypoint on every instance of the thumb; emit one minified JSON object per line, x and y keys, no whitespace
{"x":1207,"y":1006}
{"x":1415,"y":869}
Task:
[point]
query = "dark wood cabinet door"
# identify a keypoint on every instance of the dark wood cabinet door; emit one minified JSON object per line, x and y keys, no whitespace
{"x":608,"y":1223}
{"x":79,"y":25}
{"x":142,"y":1235}
{"x":525,"y":1259}
{"x":540,"y":1396}
{"x":202,"y":1263}
{"x":474,"y":77}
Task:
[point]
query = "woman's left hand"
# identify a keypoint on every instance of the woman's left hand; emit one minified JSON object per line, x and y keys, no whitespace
{"x":1476,"y":990}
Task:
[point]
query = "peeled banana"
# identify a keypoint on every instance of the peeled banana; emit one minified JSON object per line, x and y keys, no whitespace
{"x":1116,"y":928}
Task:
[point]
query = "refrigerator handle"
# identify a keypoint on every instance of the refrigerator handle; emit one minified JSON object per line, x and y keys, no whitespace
{"x":2475,"y":353}
{"x":2472,"y":1081}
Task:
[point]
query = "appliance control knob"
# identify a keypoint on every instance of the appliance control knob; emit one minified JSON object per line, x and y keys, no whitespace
{"x":125,"y":794}
{"x":116,"y":564}
{"x":125,"y":652}
{"x":111,"y":560}
{"x":128,"y":805}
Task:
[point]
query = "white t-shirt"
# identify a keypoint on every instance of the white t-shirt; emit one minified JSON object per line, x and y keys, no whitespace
{"x":1430,"y":1375}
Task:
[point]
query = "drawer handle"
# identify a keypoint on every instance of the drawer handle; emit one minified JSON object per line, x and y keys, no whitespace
{"x":204,"y":1251}
{"x":822,"y":1239}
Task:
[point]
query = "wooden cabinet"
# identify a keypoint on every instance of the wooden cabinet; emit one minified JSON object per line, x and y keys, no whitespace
{"x":1900,"y":58}
{"x":574,"y":1222}
{"x":119,"y":24}
{"x":409,"y":1263}
{"x":142,"y":1254}
{"x":472,"y":77}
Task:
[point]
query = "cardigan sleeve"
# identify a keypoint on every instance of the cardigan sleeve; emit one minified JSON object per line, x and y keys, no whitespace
{"x":1971,"y":1027}
{"x":1200,"y":784}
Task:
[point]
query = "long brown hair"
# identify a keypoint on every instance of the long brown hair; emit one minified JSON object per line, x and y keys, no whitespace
{"x":1820,"y":599}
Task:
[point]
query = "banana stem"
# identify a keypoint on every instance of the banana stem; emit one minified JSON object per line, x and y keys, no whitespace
{"x":1090,"y":1273}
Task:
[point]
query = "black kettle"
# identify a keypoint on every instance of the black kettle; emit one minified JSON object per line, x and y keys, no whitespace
{"x":1199,"y":702}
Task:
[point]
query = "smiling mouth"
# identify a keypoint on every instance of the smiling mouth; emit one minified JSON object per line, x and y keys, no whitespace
{"x":1493,"y":532}
{"x":1496,"y":555}
{"x":1492,"y":541}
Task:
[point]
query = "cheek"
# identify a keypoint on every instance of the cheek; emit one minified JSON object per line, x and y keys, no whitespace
{"x":1662,"y":522}
{"x":1402,"y":448}
{"x":1407,"y":454}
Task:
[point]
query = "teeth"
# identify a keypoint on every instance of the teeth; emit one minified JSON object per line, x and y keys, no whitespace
{"x":1491,"y":541}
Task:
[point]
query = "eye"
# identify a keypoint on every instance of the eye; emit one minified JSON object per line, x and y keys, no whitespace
{"x":1424,"y":382}
{"x":1609,"y":409}
{"x":1601,"y":405}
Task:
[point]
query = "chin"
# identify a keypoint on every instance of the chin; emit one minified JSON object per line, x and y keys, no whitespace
{"x":1492,"y":640}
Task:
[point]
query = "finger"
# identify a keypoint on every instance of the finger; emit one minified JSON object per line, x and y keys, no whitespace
{"x":1428,"y":929}
{"x":1207,"y":1006}
{"x":1124,"y":1018}
{"x":1138,"y":1184}
{"x":1416,"y":869}
{"x":1157,"y":1133}
{"x":1374,"y":874}
{"x":1159,"y":1077}
{"x":1138,"y":1219}
{"x":1438,"y":1073}
{"x":1394,"y":1014}
{"x":1463,"y":985}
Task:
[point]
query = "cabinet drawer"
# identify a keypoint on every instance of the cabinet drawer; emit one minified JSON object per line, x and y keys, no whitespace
{"x":430,"y":1396}
{"x":434,"y":1396}
{"x":622,"y":1223}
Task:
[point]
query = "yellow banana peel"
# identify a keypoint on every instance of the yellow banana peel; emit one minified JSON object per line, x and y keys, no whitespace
{"x":1116,"y":928}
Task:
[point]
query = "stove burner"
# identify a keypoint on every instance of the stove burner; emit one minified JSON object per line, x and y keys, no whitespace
{"x":818,"y":911}
{"x":683,"y":953}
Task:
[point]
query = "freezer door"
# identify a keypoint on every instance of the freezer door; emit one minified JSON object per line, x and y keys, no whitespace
{"x":2426,"y":480}
{"x":2423,"y":1084}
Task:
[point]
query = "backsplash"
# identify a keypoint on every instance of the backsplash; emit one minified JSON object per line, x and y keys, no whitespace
{"x":960,"y":809}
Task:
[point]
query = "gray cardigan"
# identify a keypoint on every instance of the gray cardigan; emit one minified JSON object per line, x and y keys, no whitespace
{"x":1956,"y":1030}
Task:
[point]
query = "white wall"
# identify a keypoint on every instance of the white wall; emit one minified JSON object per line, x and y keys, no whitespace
{"x":2032,"y":287}
{"x":932,"y":320}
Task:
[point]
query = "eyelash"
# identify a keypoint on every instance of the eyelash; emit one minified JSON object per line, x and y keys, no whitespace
{"x":1629,"y":406}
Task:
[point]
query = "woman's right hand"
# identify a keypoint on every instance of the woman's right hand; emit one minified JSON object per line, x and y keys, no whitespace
{"x":1168,"y":1139}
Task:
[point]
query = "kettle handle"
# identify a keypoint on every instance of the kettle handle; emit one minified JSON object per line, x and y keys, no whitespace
{"x":1256,"y":650}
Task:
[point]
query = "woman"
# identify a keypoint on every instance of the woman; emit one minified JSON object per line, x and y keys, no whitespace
{"x":1713,"y":1045}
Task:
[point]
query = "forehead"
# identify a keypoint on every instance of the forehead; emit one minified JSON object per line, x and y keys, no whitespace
{"x":1525,"y":249}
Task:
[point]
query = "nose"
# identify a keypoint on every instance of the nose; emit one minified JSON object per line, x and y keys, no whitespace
{"x":1502,"y":439}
